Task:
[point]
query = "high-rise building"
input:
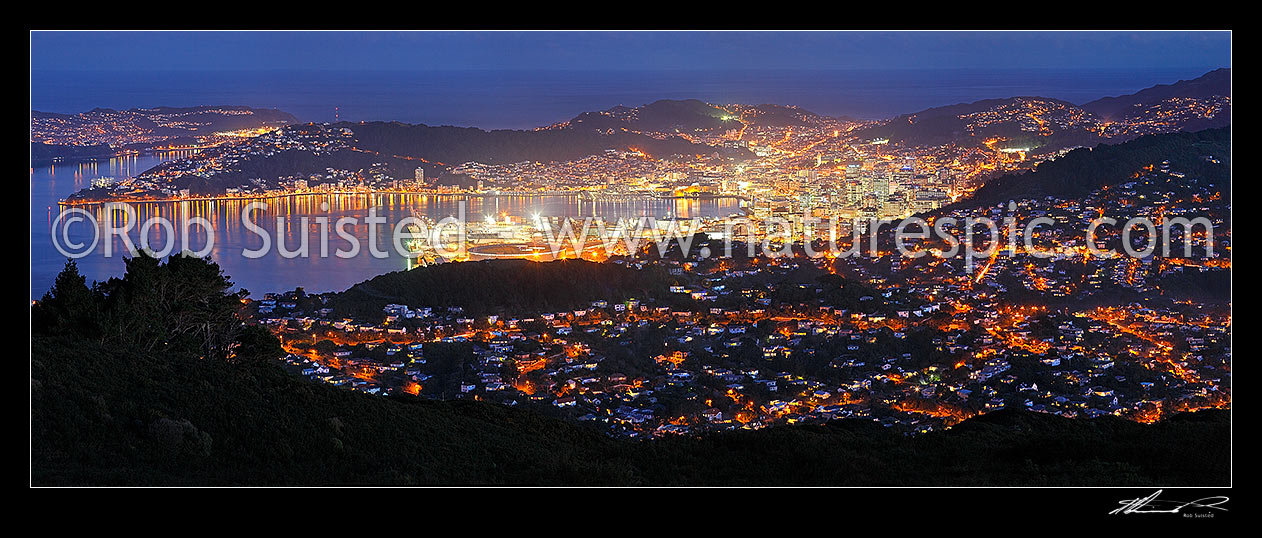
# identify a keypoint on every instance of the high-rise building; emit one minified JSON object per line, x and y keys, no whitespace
{"x":881,"y":187}
{"x":854,"y":191}
{"x":420,"y":175}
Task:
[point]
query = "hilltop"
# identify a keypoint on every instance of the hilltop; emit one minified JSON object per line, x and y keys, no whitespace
{"x":691,"y":116}
{"x":1044,"y":125}
{"x":1216,"y":83}
{"x":1010,"y":119}
{"x":455,"y":145}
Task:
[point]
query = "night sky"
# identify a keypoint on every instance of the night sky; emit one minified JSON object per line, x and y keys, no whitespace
{"x":625,"y":50}
{"x":522,"y":80}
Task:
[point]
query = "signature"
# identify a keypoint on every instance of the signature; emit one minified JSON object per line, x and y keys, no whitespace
{"x":1152,"y":505}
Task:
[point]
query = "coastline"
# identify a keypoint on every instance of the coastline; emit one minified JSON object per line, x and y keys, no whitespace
{"x":577,"y":193}
{"x":112,"y":155}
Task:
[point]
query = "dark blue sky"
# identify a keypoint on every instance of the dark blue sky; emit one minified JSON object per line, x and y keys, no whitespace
{"x":529,"y":79}
{"x":201,"y":51}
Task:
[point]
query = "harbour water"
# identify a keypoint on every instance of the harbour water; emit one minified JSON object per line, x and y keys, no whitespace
{"x":289,"y":219}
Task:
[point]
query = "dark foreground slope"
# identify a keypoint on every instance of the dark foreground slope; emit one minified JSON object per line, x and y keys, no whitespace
{"x":148,"y":380}
{"x":105,"y":417}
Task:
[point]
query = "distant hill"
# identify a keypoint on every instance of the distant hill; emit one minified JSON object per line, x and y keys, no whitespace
{"x":1212,"y":84}
{"x":398,"y":149}
{"x":45,"y":153}
{"x":178,"y":121}
{"x":1083,"y":170}
{"x":691,"y":116}
{"x":103,"y":132}
{"x":1045,"y":125}
{"x":770,"y":115}
{"x":664,"y":116}
{"x":455,"y":145}
{"x":975,"y":122}
{"x":223,"y":118}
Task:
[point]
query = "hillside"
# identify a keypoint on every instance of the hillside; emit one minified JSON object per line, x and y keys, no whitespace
{"x":1212,"y":84}
{"x":1085,"y":169}
{"x":691,"y":116}
{"x":374,"y":153}
{"x":102,"y":132}
{"x":104,"y":416}
{"x":662,"y":116}
{"x":1036,"y":122}
{"x":455,"y":145}
{"x":162,"y":121}
{"x":131,"y":384}
{"x":772,"y":115}
{"x":503,"y":286}
{"x":1045,"y":125}
{"x":42,"y":154}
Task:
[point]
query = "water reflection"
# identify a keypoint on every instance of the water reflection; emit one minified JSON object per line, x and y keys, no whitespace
{"x":288,"y":220}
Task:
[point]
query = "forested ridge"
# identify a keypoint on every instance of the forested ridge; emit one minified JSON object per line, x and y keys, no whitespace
{"x":1083,"y":170}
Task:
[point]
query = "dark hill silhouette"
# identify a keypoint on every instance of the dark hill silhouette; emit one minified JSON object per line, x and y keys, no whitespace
{"x":148,"y":380}
{"x":1211,"y":84}
{"x":691,"y":116}
{"x":455,"y":145}
{"x":942,"y":125}
{"x":662,"y":116}
{"x":504,"y":286}
{"x":1085,"y":169}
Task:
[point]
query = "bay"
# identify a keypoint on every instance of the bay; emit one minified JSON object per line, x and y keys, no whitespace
{"x":288,"y":219}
